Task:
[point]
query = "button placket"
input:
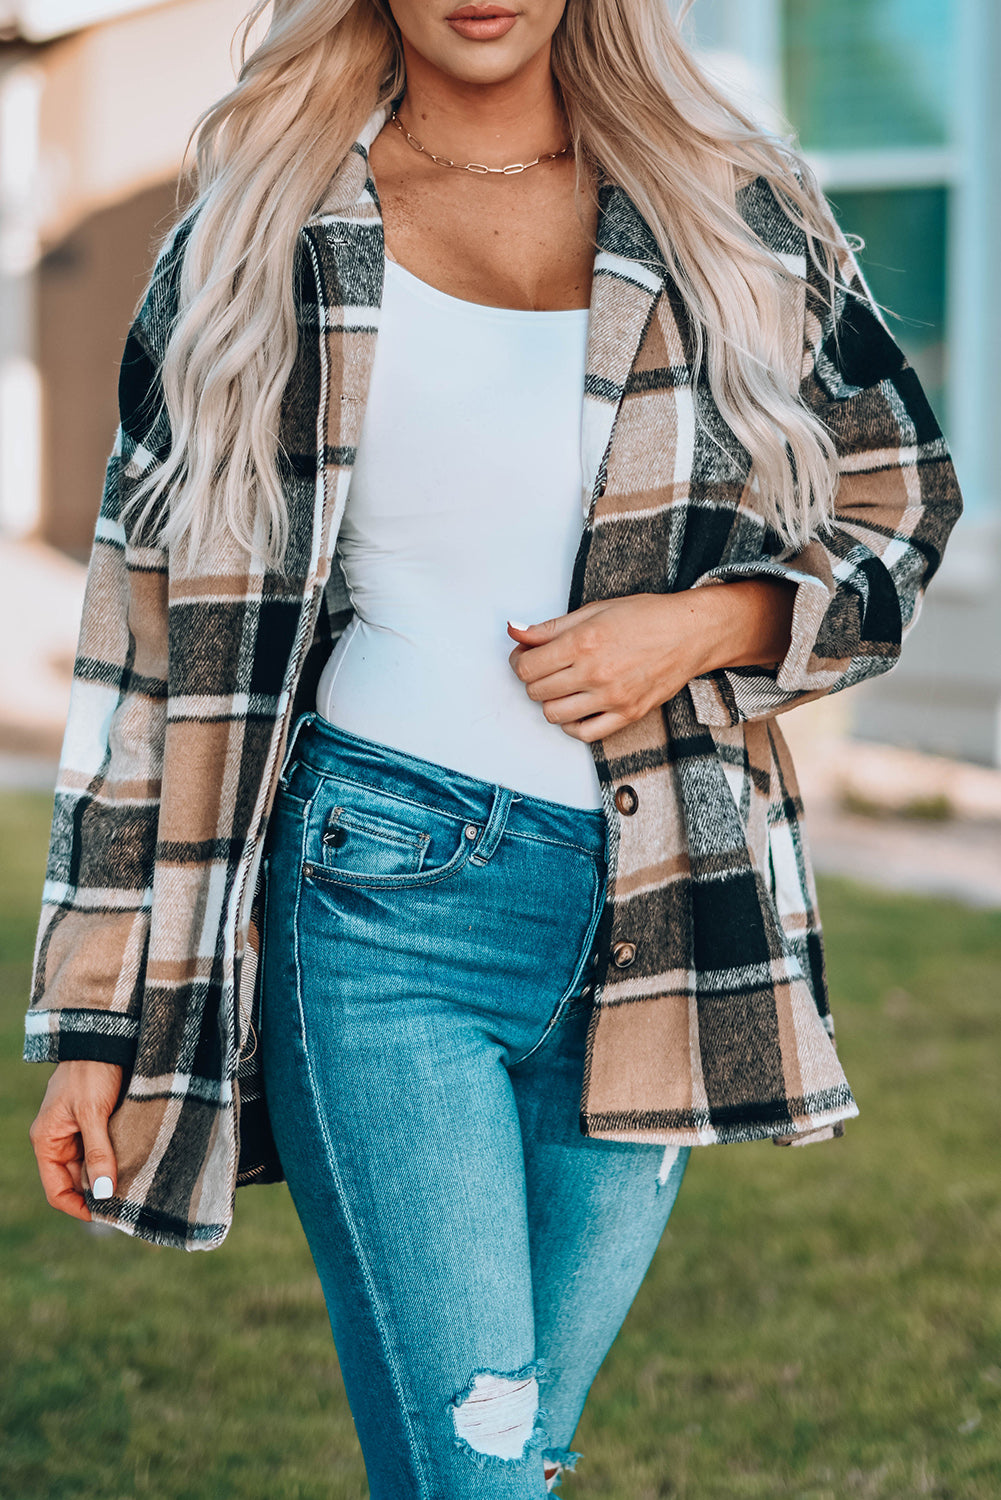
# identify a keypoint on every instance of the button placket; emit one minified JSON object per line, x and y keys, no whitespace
{"x":623,"y":952}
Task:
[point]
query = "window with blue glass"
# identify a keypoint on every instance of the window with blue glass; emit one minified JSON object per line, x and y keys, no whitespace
{"x":869,"y":74}
{"x":870,"y":87}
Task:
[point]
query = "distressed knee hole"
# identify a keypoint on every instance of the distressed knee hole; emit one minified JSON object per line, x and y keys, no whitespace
{"x":497,"y":1414}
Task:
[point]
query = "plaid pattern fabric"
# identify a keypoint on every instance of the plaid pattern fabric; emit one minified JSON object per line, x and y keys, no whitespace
{"x":711,"y":1022}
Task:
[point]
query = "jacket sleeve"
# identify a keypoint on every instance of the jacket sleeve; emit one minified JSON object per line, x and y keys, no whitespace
{"x":90,"y":951}
{"x":859,"y":587}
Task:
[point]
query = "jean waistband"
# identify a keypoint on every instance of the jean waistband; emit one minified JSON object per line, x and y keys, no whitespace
{"x":331,"y":751}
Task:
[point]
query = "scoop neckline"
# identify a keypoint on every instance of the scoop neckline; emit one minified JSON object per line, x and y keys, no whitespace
{"x":445,"y":299}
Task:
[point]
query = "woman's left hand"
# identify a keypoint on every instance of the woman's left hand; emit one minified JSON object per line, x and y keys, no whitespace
{"x":607,"y":664}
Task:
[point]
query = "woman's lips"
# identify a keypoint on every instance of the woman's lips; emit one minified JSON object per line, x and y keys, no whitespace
{"x":481,"y":27}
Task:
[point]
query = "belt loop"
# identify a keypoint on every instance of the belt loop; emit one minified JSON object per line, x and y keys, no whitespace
{"x":496,"y":822}
{"x":300,"y":723}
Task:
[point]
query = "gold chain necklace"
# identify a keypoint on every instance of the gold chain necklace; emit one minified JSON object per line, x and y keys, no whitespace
{"x":475,"y":166}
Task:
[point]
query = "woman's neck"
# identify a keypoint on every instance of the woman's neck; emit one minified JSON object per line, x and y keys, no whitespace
{"x":512,"y":120}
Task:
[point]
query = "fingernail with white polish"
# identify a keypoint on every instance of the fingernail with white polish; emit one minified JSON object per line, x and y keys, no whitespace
{"x":518,"y":625}
{"x":103,"y":1188}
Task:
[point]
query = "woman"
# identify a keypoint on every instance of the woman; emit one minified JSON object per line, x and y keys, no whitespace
{"x":478,"y":313}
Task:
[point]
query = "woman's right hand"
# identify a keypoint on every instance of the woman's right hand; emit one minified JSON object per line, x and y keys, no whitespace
{"x":70,"y":1133}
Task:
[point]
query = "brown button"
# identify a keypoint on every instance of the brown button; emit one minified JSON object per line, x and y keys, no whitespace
{"x":623,"y":954}
{"x":626,"y":800}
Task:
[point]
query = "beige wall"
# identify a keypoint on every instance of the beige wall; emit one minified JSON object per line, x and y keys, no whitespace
{"x":118,"y":104}
{"x":96,"y":124}
{"x":120,"y":100}
{"x":88,"y":286}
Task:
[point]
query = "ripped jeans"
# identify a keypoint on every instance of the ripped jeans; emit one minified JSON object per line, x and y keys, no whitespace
{"x":424,"y":1007}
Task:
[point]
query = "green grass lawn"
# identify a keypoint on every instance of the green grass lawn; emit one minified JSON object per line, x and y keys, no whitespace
{"x":818,"y":1323}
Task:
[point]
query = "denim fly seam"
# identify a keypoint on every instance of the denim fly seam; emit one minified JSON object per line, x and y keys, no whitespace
{"x":582,"y":963}
{"x":378,"y":1311}
{"x":502,"y":1396}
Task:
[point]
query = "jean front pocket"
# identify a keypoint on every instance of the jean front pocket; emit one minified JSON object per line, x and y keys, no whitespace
{"x":364,"y":836}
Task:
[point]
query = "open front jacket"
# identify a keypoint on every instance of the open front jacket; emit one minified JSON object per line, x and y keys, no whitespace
{"x":711,"y":1021}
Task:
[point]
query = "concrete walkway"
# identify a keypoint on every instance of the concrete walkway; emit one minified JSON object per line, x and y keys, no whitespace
{"x":959,"y":859}
{"x":892,"y":817}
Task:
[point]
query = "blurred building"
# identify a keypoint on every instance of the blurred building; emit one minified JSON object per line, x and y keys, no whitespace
{"x":97,"y":100}
{"x":895,"y":106}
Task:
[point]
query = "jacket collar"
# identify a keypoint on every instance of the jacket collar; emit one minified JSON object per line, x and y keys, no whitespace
{"x":628,"y":276}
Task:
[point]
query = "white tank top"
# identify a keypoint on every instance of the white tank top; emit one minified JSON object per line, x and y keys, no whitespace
{"x":463,"y":511}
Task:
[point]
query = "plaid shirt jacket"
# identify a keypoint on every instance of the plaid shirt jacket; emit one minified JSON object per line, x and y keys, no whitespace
{"x":711,"y":1021}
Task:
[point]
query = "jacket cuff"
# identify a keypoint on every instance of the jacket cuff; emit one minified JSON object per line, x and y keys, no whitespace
{"x":809,"y":1137}
{"x":729,"y":695}
{"x":66,"y":1035}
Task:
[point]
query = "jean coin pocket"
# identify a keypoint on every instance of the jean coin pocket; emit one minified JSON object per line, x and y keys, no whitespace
{"x":359,"y":842}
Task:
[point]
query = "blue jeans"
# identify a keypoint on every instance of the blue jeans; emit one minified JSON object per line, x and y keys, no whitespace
{"x":423,"y":1018}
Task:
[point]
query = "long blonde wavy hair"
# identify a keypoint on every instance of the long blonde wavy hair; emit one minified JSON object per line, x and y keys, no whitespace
{"x":636,"y":101}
